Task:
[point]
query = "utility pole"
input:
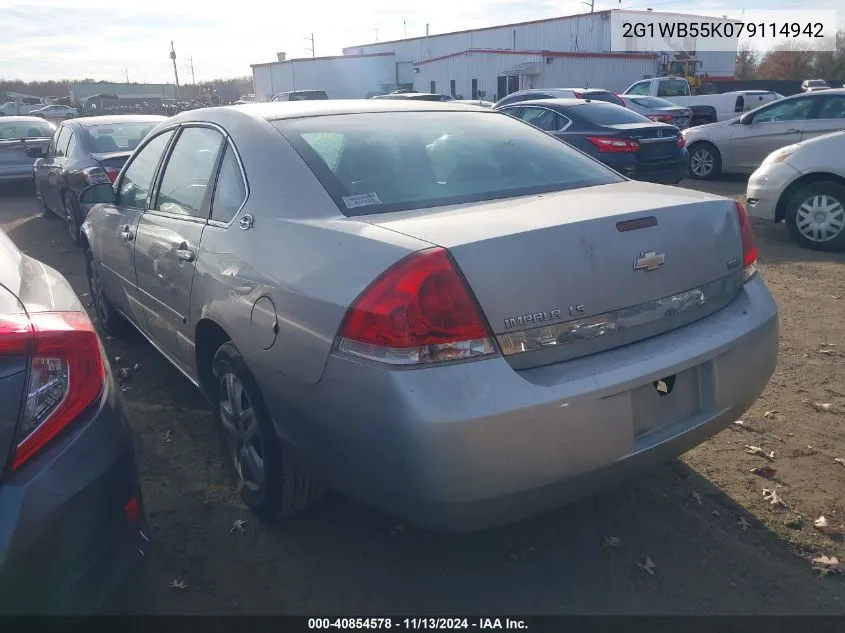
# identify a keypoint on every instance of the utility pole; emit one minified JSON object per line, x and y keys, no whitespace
{"x":405,"y":28}
{"x":592,"y":4}
{"x":175,"y":72}
{"x":191,"y":66}
{"x":376,"y":34}
{"x":311,"y":38}
{"x":126,"y":70}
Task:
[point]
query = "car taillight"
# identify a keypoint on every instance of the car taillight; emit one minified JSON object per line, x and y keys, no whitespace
{"x":660,"y":118}
{"x":67,"y":373}
{"x":112,"y":173}
{"x":419,"y":311}
{"x":749,"y":249}
{"x":578,"y":95}
{"x":96,"y":176}
{"x":680,"y":141}
{"x":611,"y":145}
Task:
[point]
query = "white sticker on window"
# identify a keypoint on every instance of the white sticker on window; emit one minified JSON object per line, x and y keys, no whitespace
{"x":361,"y":200}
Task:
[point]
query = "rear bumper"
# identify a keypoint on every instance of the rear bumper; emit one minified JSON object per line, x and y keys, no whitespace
{"x":478,"y":444}
{"x":765,"y":187}
{"x":66,"y":540}
{"x":669,"y":171}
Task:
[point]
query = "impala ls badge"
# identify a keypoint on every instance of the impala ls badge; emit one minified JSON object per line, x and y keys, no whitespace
{"x":649,"y":260}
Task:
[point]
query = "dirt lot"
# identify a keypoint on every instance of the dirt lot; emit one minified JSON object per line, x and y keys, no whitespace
{"x":347,"y":558}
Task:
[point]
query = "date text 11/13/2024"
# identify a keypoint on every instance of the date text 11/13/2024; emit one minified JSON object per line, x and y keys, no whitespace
{"x":415,"y":624}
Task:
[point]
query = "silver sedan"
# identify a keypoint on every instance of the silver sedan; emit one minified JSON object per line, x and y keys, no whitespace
{"x":17,"y":135}
{"x":741,"y":144}
{"x":433,"y":307}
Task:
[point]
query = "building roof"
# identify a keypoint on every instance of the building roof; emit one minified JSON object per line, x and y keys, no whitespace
{"x":497,"y":51}
{"x":319,"y":59}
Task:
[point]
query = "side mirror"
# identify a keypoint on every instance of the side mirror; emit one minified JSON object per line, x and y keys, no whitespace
{"x":35,"y":152}
{"x":746,"y":119}
{"x":102,"y":193}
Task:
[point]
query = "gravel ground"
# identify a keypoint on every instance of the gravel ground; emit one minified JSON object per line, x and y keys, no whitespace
{"x":717,"y":545}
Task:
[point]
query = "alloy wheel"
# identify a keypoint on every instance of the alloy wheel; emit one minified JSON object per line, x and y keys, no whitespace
{"x":701,"y":162}
{"x":241,"y":434}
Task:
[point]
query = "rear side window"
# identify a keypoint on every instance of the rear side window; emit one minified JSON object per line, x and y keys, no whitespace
{"x":188,"y":171}
{"x":609,"y":114}
{"x":62,"y":142}
{"x":542,"y":118}
{"x":230,"y":191}
{"x":392,"y":161}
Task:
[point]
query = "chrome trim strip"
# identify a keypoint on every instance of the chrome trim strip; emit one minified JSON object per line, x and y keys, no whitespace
{"x":617,"y":321}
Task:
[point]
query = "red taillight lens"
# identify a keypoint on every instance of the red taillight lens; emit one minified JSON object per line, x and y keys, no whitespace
{"x":611,"y":145}
{"x":749,"y":249}
{"x":66,"y":373}
{"x":681,"y":141}
{"x":419,"y":311}
{"x":660,"y":118}
{"x":112,"y":173}
{"x":96,"y":176}
{"x":579,"y":95}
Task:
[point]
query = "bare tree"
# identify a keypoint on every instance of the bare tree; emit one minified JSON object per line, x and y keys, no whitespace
{"x":747,"y":60}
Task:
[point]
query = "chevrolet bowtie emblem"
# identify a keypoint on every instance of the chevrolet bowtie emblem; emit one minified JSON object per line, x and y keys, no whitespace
{"x":649,"y":260}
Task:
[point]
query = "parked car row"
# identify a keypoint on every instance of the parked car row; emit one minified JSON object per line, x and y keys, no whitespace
{"x":226,"y":239}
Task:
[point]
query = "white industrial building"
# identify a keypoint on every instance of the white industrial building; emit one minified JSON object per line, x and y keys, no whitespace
{"x":565,"y":52}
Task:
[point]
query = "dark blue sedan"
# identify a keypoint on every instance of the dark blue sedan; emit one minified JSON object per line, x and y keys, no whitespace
{"x":624,"y":140}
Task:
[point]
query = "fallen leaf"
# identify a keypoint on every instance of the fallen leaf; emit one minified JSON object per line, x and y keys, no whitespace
{"x":168,"y":436}
{"x":839,"y":460}
{"x":612,"y":541}
{"x":756,"y":450}
{"x":827,"y":564}
{"x":647,"y":566}
{"x":769,"y":414}
{"x":136,"y":367}
{"x":238,"y":525}
{"x":740,"y":422}
{"x":828,"y":344}
{"x":823,"y":407}
{"x":823,"y":526}
{"x":773,"y":497}
{"x":835,"y":296}
{"x":821,"y":522}
{"x":697,"y":497}
{"x":716,"y":513}
{"x":827,"y":352}
{"x":178,"y":584}
{"x":764,"y":471}
{"x":743,"y":523}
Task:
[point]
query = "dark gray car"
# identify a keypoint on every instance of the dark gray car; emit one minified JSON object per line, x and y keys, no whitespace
{"x":72,"y":521}
{"x":659,"y":110}
{"x":81,"y":153}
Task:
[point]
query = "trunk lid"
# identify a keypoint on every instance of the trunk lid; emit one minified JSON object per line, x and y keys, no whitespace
{"x":560,"y":275}
{"x":12,"y":381}
{"x":13,"y":152}
{"x":112,"y":160}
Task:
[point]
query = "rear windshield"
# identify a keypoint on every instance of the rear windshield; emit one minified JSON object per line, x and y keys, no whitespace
{"x":653,"y":102}
{"x":120,"y":137}
{"x":816,"y":83}
{"x":394,"y":161}
{"x":607,"y":97}
{"x":25,"y":129}
{"x":307,"y":96}
{"x":609,"y":114}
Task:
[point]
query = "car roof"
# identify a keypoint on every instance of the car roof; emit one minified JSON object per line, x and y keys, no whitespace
{"x":22,"y":119}
{"x":298,"y":109}
{"x":117,"y":119}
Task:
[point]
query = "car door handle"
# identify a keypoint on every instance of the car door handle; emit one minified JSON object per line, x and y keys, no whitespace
{"x":184,"y":254}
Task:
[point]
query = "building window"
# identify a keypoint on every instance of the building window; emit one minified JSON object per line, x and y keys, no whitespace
{"x":433,"y":87}
{"x":452,"y":87}
{"x":475,"y":89}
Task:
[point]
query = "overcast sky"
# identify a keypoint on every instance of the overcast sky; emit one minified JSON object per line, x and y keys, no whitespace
{"x":54,"y":39}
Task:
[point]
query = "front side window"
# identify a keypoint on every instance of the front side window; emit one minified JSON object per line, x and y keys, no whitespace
{"x":392,"y":161}
{"x":138,"y":177}
{"x":833,"y":108}
{"x":188,"y":172}
{"x":791,"y":110}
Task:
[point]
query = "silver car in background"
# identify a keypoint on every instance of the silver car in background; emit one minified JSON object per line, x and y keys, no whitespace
{"x":17,"y":135}
{"x":803,"y":185}
{"x":659,"y":110}
{"x":741,"y":144}
{"x":438,"y":309}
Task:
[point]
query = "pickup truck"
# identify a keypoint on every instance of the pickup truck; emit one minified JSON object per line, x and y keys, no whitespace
{"x":18,"y":108}
{"x":705,"y":108}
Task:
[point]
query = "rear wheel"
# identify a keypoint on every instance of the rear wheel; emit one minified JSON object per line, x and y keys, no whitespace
{"x":705,"y":162}
{"x":268,"y":481}
{"x":72,"y":216}
{"x":110,"y":320}
{"x":815,"y":216}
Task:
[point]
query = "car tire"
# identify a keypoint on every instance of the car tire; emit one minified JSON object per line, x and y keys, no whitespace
{"x":268,"y":480}
{"x":705,"y":161}
{"x":45,"y":211}
{"x":827,"y":199}
{"x":72,"y":217}
{"x":109,"y":319}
